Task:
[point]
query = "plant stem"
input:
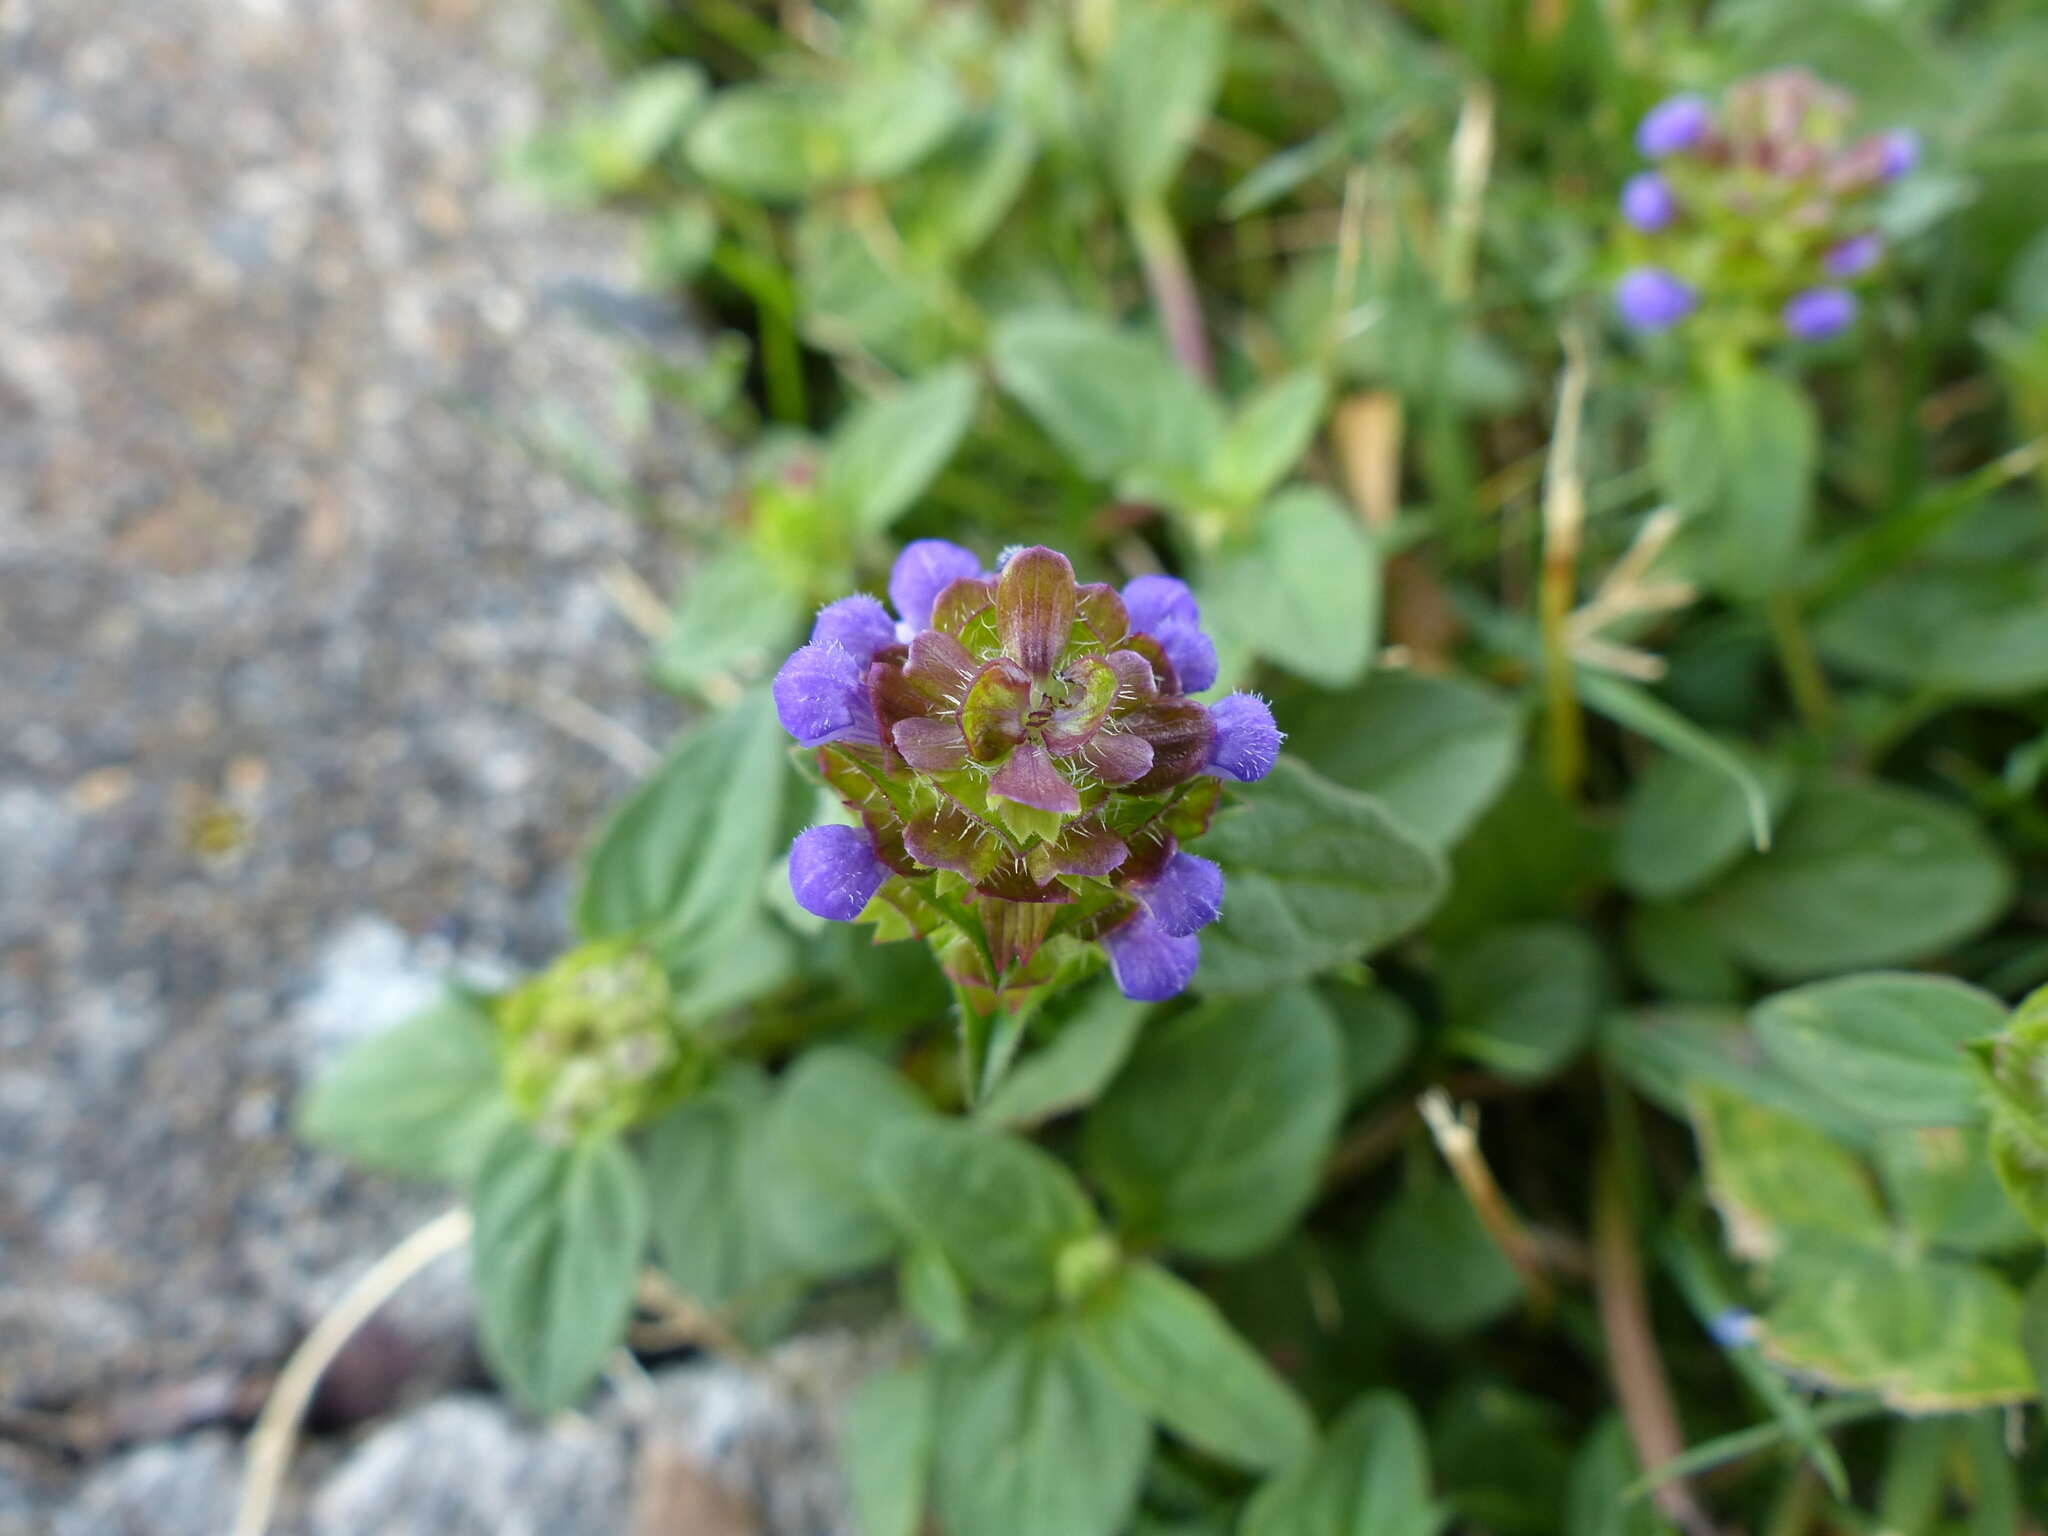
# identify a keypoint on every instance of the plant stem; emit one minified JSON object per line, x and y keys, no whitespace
{"x":1797,"y":660}
{"x":1564,"y":513}
{"x":1172,"y":286}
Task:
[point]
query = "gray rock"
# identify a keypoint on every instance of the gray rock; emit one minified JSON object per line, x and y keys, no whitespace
{"x":182,"y":1488}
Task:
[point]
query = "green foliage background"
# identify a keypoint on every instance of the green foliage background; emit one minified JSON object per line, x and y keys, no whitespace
{"x":1711,"y":865}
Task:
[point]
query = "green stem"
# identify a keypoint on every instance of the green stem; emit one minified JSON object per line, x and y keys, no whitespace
{"x":1747,"y":1442}
{"x":1801,"y":666}
{"x":1172,"y":286}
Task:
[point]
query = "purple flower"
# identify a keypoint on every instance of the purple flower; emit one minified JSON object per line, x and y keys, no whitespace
{"x":1185,"y":896}
{"x":1247,"y":741}
{"x":1150,"y":964}
{"x":1819,"y":313}
{"x":1901,"y":152}
{"x":1165,"y":609}
{"x":821,"y":695}
{"x":924,"y":570}
{"x":1652,"y":299}
{"x":859,"y":624}
{"x":1854,"y":256}
{"x":834,"y":873}
{"x":1648,"y":202}
{"x":1674,"y":125}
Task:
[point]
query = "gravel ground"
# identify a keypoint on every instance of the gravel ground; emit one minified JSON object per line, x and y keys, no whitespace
{"x":300,"y":638}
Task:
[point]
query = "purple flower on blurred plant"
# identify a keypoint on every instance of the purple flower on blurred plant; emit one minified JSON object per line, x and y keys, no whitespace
{"x":1652,"y":299}
{"x":1854,"y":256}
{"x":834,"y":873}
{"x":1247,"y":741}
{"x":1674,"y":125}
{"x":1165,"y":609}
{"x":1648,"y":202}
{"x":1819,"y":313}
{"x":1032,"y":736}
{"x":1901,"y":152}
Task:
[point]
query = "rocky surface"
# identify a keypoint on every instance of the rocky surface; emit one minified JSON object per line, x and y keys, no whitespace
{"x":315,"y":675}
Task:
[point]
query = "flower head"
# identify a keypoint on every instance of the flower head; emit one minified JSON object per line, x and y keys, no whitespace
{"x":1899,"y":154}
{"x":1026,"y":743}
{"x":1854,"y":256}
{"x":1675,"y":125}
{"x":1648,"y":202}
{"x":1652,"y":299}
{"x":1819,"y":313}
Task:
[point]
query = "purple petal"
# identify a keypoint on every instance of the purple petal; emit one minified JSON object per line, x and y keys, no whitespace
{"x":1164,"y":608}
{"x":1155,"y":600}
{"x":1819,"y":313}
{"x":924,"y":570}
{"x":1651,"y":299}
{"x":1648,"y":202}
{"x":1674,"y":125}
{"x":932,"y":746}
{"x":1150,"y":964}
{"x":1901,"y":153}
{"x":1854,"y":256}
{"x":859,"y":623}
{"x":834,"y":873}
{"x":1186,"y":896}
{"x":1035,"y":603}
{"x":1247,"y":741}
{"x":821,"y":695}
{"x":1030,"y":778}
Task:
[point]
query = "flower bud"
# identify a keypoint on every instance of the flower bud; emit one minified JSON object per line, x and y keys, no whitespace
{"x":1674,"y":126}
{"x":1819,"y":313}
{"x":1648,"y":203}
{"x":592,"y":1044}
{"x":1652,"y":299}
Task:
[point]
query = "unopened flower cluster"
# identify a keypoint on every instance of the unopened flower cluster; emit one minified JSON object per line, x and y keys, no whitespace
{"x":593,"y":1044}
{"x":1024,"y":757}
{"x":1758,"y":211}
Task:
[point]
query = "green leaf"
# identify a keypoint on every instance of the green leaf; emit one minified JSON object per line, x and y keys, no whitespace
{"x":1977,"y":631}
{"x":1302,"y":589}
{"x":1378,"y":1031}
{"x":422,"y":1098}
{"x":764,"y":141}
{"x":889,"y":449}
{"x":1157,"y":86}
{"x":1213,"y":1137}
{"x":999,"y":1208}
{"x":1433,"y":1264}
{"x":705,"y":826}
{"x":933,"y":1294}
{"x":1928,"y":1335}
{"x":1266,"y":438}
{"x":1664,"y":1051}
{"x":1860,"y":875}
{"x":1774,"y":1178}
{"x":1680,"y":959}
{"x":1888,"y":1046}
{"x":735,"y":622}
{"x":2015,"y":1065}
{"x":1689,"y":819}
{"x":1111,"y":400}
{"x":1370,"y":1478}
{"x":1531,"y":854}
{"x":1434,"y":750}
{"x":1316,"y":876}
{"x":2034,"y":1327}
{"x":1169,"y":1349}
{"x":1034,"y":1440}
{"x":887,"y":1447}
{"x":833,"y":1107}
{"x":1604,"y":1468}
{"x":1524,"y":1000}
{"x":1073,"y":1070}
{"x":1738,"y":457}
{"x":705,"y":1168}
{"x":557,"y":1245}
{"x":1942,"y":1187}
